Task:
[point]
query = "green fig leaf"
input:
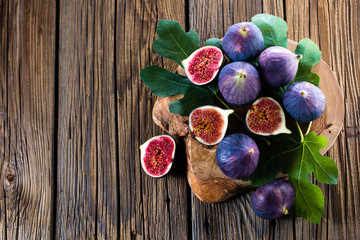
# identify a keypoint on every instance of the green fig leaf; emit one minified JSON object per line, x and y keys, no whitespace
{"x":298,"y":158}
{"x":274,"y":29}
{"x":164,"y":83}
{"x":311,"y":55}
{"x":213,"y":42}
{"x":173,"y":42}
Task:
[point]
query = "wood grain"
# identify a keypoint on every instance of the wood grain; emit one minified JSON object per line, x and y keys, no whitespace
{"x":87,"y":197}
{"x":149,"y":208}
{"x":27,"y":87}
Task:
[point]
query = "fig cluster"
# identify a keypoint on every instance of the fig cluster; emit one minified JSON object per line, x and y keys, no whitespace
{"x":240,"y":77}
{"x":241,"y":69}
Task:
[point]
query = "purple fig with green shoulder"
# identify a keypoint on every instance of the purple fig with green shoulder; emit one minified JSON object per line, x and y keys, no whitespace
{"x":304,"y":101}
{"x":237,"y":156}
{"x":243,"y":41}
{"x":239,"y":83}
{"x":273,"y":200}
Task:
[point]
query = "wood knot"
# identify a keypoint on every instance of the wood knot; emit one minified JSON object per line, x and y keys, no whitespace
{"x":10,"y":177}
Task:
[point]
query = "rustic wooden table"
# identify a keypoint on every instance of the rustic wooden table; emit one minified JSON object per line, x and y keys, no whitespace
{"x":73,"y":112}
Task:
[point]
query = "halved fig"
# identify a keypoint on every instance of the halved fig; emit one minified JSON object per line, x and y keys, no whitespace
{"x":209,"y":124}
{"x":157,"y":155}
{"x":266,"y":117}
{"x":202,"y":66}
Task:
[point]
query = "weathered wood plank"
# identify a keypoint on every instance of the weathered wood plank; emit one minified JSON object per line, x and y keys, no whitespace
{"x":149,"y":208}
{"x":87,"y":197}
{"x":27,"y":97}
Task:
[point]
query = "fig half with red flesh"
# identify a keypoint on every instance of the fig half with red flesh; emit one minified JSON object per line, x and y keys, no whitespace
{"x":202,"y":66}
{"x":266,"y":117}
{"x":157,"y":155}
{"x":209,"y":124}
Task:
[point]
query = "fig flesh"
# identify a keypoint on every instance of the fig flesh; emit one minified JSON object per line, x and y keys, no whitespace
{"x":202,"y":66}
{"x":243,"y":41}
{"x":266,"y":117}
{"x":278,"y":65}
{"x":239,"y":83}
{"x":157,"y":155}
{"x":273,"y":200}
{"x":237,"y":156}
{"x":304,"y":101}
{"x":209,"y":124}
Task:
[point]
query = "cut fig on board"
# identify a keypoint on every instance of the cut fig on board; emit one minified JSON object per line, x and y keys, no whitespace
{"x":202,"y":66}
{"x":209,"y":124}
{"x":266,"y":117}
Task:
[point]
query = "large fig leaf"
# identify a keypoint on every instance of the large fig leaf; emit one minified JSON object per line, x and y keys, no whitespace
{"x":173,"y":42}
{"x":164,"y":83}
{"x":274,"y":29}
{"x":299,"y":158}
{"x":311,"y":55}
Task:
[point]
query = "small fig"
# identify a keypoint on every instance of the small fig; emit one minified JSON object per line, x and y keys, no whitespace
{"x":266,"y":117}
{"x":202,"y":66}
{"x":237,"y":156}
{"x":239,"y":83}
{"x":278,"y":65}
{"x":243,"y":41}
{"x":273,"y":200}
{"x":157,"y":155}
{"x":304,"y":101}
{"x":209,"y":124}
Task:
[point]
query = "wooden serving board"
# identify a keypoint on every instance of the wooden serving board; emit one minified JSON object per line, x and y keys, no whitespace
{"x":206,"y":180}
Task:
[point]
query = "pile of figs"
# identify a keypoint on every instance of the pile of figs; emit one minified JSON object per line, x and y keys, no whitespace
{"x":243,"y":69}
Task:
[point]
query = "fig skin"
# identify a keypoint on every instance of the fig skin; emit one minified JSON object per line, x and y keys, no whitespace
{"x":203,"y":65}
{"x":239,"y":83}
{"x":163,"y":146}
{"x":278,"y":65}
{"x":273,"y":200}
{"x":209,"y":122}
{"x":304,"y":101}
{"x":237,"y":156}
{"x":243,"y":41}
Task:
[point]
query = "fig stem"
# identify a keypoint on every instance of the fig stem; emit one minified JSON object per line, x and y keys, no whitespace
{"x":308,"y":129}
{"x":227,"y":106}
{"x":300,"y":132}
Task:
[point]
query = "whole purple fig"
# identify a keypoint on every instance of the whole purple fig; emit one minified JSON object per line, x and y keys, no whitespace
{"x":243,"y":41}
{"x":304,"y":101}
{"x":237,"y":156}
{"x":274,"y":199}
{"x":239,"y":83}
{"x":278,"y":65}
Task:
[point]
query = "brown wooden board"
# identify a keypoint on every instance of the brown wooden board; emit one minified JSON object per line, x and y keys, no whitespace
{"x":87,"y":197}
{"x":27,"y":97}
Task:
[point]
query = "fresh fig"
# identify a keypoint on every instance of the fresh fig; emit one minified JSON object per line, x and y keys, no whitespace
{"x":157,"y":155}
{"x":209,"y":124}
{"x":273,"y":200}
{"x":239,"y":83}
{"x":266,"y":117}
{"x":237,"y":156}
{"x":243,"y":41}
{"x":202,"y":66}
{"x":304,"y":101}
{"x":278,"y":65}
